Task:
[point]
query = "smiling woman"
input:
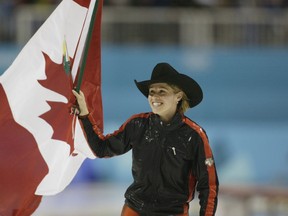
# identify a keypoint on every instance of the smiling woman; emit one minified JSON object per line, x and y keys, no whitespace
{"x":169,"y":151}
{"x":163,"y":100}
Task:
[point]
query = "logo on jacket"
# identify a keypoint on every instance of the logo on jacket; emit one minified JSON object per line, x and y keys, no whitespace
{"x":209,"y":162}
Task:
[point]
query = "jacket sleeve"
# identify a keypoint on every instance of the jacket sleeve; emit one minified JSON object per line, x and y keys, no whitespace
{"x":110,"y":145}
{"x":207,"y":180}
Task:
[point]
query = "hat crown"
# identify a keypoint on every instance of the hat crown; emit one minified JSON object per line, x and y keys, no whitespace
{"x":163,"y":70}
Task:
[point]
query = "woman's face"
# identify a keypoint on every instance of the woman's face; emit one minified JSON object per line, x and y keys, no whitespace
{"x":163,"y":100}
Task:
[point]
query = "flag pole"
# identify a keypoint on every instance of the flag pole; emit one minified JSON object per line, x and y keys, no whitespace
{"x":87,"y":44}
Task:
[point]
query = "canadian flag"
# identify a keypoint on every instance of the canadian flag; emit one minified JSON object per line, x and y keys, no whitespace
{"x":41,"y":144}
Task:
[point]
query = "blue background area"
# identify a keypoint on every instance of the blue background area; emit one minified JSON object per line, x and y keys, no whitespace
{"x":244,"y":111}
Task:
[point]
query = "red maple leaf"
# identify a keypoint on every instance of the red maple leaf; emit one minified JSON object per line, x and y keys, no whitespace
{"x":59,"y":116}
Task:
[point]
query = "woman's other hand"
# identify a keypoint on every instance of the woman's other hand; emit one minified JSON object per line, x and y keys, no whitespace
{"x":80,"y":97}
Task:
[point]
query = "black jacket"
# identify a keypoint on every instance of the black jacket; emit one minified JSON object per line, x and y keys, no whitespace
{"x":169,"y":161}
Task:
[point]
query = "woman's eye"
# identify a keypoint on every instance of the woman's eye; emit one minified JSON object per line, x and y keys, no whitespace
{"x":160,"y":92}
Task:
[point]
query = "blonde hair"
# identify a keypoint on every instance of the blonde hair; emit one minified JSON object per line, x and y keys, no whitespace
{"x":183,"y":104}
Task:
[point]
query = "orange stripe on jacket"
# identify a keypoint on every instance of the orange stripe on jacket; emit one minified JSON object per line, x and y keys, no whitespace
{"x":210,"y":208}
{"x":99,"y":132}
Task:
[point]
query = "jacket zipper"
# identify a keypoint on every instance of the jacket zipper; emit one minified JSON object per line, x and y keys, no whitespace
{"x":174,"y":150}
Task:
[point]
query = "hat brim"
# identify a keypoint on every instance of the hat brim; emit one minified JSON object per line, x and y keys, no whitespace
{"x":189,"y":86}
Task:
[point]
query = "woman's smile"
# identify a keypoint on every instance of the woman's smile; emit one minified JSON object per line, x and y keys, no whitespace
{"x":156,"y":104}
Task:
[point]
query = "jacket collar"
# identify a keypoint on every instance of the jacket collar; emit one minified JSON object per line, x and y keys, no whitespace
{"x":176,"y":122}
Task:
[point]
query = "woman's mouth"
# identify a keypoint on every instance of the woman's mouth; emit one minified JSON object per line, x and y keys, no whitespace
{"x":156,"y":104}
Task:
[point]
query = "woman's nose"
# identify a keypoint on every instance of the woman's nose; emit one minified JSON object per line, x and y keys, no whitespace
{"x":155,"y":96}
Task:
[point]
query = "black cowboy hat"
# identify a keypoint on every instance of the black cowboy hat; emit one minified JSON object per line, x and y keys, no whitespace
{"x":165,"y":73}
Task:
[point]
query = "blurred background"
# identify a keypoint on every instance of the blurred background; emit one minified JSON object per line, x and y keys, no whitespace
{"x":236,"y":50}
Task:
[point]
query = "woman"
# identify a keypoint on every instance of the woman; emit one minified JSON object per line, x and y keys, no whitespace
{"x":171,"y":153}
